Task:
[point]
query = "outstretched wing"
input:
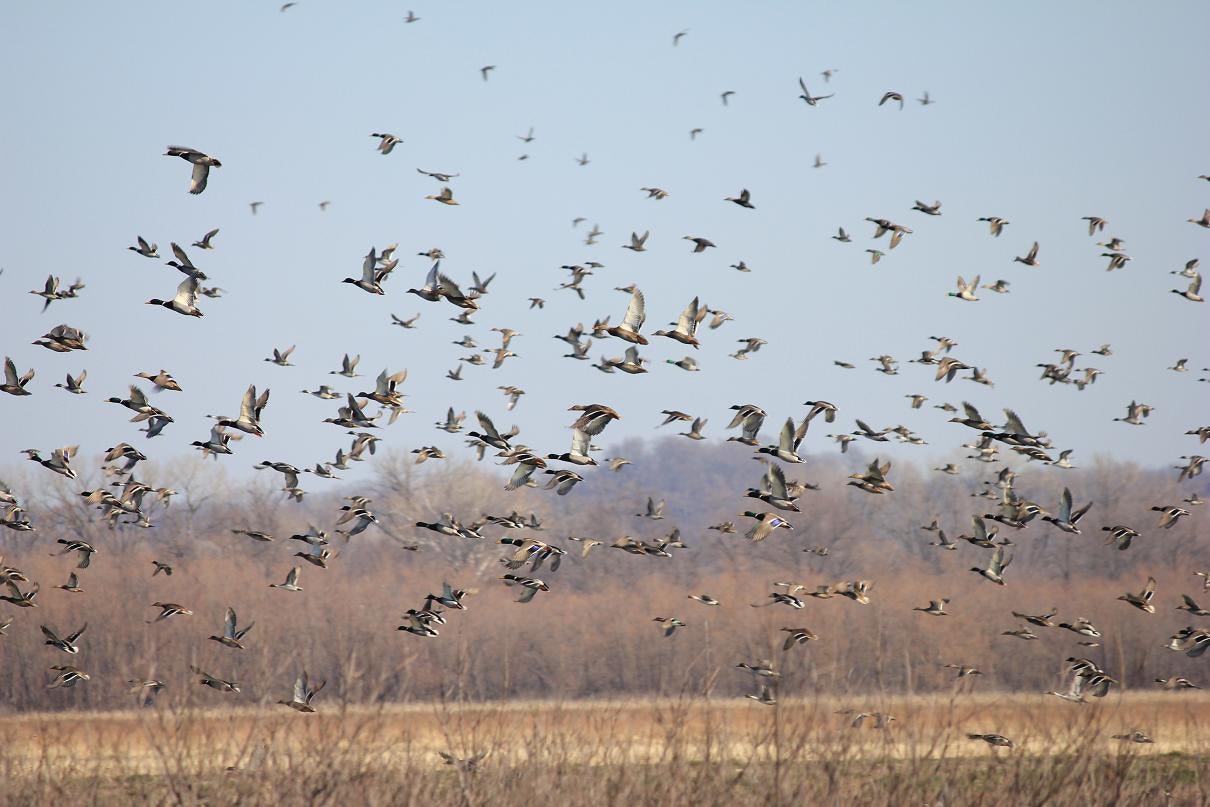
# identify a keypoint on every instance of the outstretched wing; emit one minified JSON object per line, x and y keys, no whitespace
{"x":201,"y":173}
{"x":636,"y":312}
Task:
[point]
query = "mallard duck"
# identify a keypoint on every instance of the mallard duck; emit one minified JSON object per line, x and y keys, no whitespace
{"x":68,"y":676}
{"x":995,"y":567}
{"x":387,"y":141}
{"x":944,"y":542}
{"x":781,"y":598}
{"x":638,"y":243}
{"x":304,"y":693}
{"x":762,"y":669}
{"x":162,"y":380}
{"x":891,"y":95}
{"x":766,"y":524}
{"x":1082,"y":627}
{"x":1120,"y":535}
{"x":67,"y":643}
{"x":281,"y":357}
{"x":743,"y":200}
{"x":686,"y":326}
{"x":532,"y":586}
{"x":798,"y":636}
{"x":467,"y":765}
{"x":790,"y":438}
{"x":205,"y":679}
{"x":966,"y":291}
{"x":773,"y":490}
{"x":1067,"y":519}
{"x":1176,"y":682}
{"x":812,"y":100}
{"x":168,"y":610}
{"x":995,"y":224}
{"x":749,"y":418}
{"x":670,"y":624}
{"x":1031,"y":257}
{"x":1193,"y":293}
{"x":854,"y":589}
{"x":636,"y":315}
{"x":1020,"y":633}
{"x":1135,"y":736}
{"x":72,"y":586}
{"x":874,"y":479}
{"x":75,"y":385}
{"x":445,"y":196}
{"x":963,"y":670}
{"x":201,"y":165}
{"x":145,"y":249}
{"x":1075,"y":691}
{"x":1193,"y":643}
{"x":934,"y":608}
{"x":231,"y":636}
{"x":14,"y":384}
{"x":997,"y":740}
{"x":291,"y":583}
{"x":654,"y":511}
{"x":1041,"y":620}
{"x":84,"y":551}
{"x":1169,"y":515}
{"x":17,"y":597}
{"x":1142,"y":600}
{"x":251,"y":407}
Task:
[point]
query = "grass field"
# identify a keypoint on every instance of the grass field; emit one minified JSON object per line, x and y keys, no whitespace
{"x":668,"y":751}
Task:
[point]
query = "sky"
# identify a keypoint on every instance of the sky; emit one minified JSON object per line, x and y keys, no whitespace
{"x":1044,"y":113}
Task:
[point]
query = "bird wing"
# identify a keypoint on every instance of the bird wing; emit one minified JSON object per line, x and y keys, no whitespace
{"x":687,"y":324}
{"x":486,"y":423}
{"x":186,"y":292}
{"x":247,"y":406}
{"x":181,"y":256}
{"x":636,"y":312}
{"x":1013,"y":423}
{"x":201,"y":172}
{"x":579,"y":442}
{"x":776,"y":478}
{"x":786,"y":441}
{"x":448,"y":287}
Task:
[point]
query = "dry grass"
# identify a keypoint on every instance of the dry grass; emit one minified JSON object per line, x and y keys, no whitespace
{"x":665,"y":751}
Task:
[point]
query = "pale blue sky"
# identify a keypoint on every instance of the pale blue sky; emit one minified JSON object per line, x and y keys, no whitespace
{"x":1045,"y":113}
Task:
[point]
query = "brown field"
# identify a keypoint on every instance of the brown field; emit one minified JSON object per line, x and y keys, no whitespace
{"x":644,"y":751}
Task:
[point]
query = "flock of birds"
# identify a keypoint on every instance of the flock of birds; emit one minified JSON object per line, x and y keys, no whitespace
{"x":128,"y":501}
